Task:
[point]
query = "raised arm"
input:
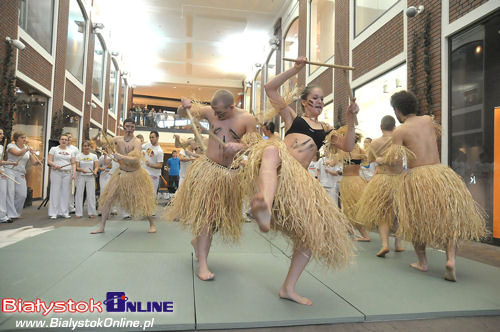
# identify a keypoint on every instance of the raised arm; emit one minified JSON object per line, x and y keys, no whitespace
{"x":273,"y":91}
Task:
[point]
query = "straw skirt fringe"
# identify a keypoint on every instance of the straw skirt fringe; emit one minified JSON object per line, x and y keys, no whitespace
{"x":302,"y":209}
{"x":210,"y":198}
{"x":375,"y":207}
{"x":131,"y":191}
{"x":351,"y":189}
{"x":434,"y":206}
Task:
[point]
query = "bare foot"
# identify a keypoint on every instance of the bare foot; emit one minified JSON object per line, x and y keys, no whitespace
{"x":97,"y":231}
{"x":152,"y":229}
{"x":450,"y":273}
{"x":205,"y":275}
{"x":383,"y":252}
{"x":261,"y":212}
{"x":362,"y":239}
{"x":193,"y":243}
{"x":419,"y":267}
{"x":293,"y":296}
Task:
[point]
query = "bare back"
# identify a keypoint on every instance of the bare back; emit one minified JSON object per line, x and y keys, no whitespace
{"x":418,"y":134}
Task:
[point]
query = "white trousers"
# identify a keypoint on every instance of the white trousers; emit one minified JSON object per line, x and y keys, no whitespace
{"x":85,"y":182}
{"x":3,"y":198}
{"x":60,"y":191}
{"x":16,"y":193}
{"x":332,"y":191}
{"x":156,"y":182}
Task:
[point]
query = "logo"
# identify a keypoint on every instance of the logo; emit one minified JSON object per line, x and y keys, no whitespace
{"x":119,"y":302}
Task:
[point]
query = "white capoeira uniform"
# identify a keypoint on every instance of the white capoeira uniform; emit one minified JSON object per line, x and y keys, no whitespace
{"x":60,"y":182}
{"x":85,"y":181}
{"x":328,"y":181}
{"x":184,"y":166}
{"x":154,"y":155}
{"x":105,"y":175}
{"x":74,"y":150}
{"x":3,"y":192}
{"x":16,"y":193}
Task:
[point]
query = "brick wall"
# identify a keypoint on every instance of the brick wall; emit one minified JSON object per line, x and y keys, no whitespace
{"x":340,"y":96}
{"x":60,"y":65}
{"x":416,"y":26}
{"x":73,"y":95}
{"x":383,"y":45}
{"x":459,"y":8}
{"x":324,"y":81}
{"x":8,"y":25}
{"x":35,"y":66}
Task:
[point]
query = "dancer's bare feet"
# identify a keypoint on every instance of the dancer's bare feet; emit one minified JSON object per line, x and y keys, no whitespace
{"x":97,"y":231}
{"x":205,"y":274}
{"x":450,"y":272}
{"x":152,"y":229}
{"x":383,"y":252}
{"x":362,"y":239}
{"x":194,"y":243}
{"x":418,"y":266}
{"x":293,"y":296}
{"x":261,"y":212}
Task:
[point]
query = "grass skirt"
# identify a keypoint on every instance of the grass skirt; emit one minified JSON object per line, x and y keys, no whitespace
{"x":434,"y":206}
{"x":302,"y":209}
{"x":210,"y":196}
{"x":375,"y":207}
{"x":351,"y":189}
{"x":131,"y":191}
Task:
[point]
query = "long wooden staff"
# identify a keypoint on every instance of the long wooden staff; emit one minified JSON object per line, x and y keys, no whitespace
{"x":338,"y":54}
{"x":331,"y":65}
{"x":195,"y":131}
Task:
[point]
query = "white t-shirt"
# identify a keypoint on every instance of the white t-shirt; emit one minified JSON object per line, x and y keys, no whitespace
{"x":184,"y":164}
{"x":328,"y":180}
{"x":62,"y":157}
{"x":21,"y":161}
{"x":105,"y":162}
{"x":86,"y":162}
{"x":154,"y":155}
{"x":313,"y":166}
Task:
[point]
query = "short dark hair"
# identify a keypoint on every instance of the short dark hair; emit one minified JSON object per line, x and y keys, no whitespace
{"x":154,"y":132}
{"x":387,"y":123}
{"x":270,"y":126}
{"x":405,"y":102}
{"x":128,"y":120}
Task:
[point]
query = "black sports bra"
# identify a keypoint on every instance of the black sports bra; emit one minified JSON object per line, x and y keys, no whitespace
{"x":300,"y":126}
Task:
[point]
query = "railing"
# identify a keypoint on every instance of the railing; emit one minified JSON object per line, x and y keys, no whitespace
{"x":163,"y":121}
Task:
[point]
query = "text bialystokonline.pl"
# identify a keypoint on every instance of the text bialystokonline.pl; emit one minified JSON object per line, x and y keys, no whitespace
{"x":73,"y":324}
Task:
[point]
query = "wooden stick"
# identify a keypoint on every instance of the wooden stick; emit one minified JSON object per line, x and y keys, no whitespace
{"x":195,"y":131}
{"x":338,"y":54}
{"x":215,"y":137}
{"x":331,"y":65}
{"x":8,"y":177}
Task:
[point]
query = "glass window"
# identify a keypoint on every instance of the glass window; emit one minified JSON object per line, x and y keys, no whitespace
{"x":123,"y":102}
{"x":36,"y":18}
{"x":29,"y":118}
{"x":257,"y":92}
{"x":71,"y":124}
{"x":374,"y":98}
{"x":112,"y":88}
{"x":291,"y":48}
{"x":471,"y":110}
{"x":75,"y":49}
{"x":322,"y":31}
{"x":368,"y":11}
{"x":98,"y":72}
